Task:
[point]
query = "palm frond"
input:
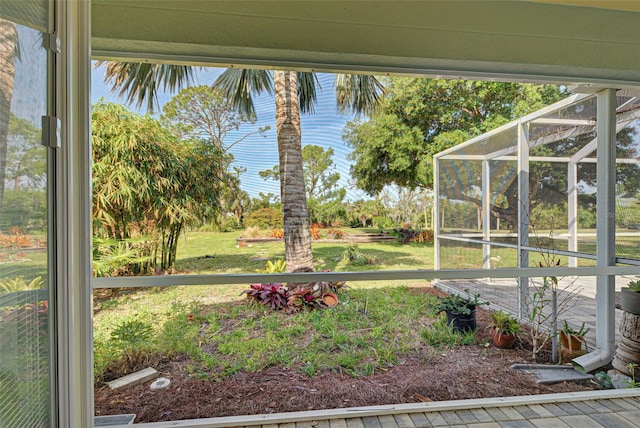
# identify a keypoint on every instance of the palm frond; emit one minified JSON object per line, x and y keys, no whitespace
{"x":307,"y":94}
{"x":358,"y":93}
{"x":139,"y":82}
{"x":239,"y":85}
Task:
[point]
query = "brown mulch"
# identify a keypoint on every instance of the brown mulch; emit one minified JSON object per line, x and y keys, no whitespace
{"x":464,"y":372}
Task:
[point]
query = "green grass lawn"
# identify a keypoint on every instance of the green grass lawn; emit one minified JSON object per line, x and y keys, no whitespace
{"x":375,"y":324}
{"x":212,"y":252}
{"x":370,"y":330}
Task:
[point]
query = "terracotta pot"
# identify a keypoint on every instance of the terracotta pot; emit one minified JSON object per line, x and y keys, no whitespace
{"x":630,"y":301}
{"x":330,"y":299}
{"x":571,"y":346}
{"x":501,"y":340}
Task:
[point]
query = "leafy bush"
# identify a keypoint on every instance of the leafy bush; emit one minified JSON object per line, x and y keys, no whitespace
{"x":382,"y":222}
{"x":278,"y":266}
{"x":264,"y":218}
{"x":353,"y":255}
{"x":276,"y":233}
{"x":410,"y":235}
{"x":272,"y":295}
{"x":315,"y":231}
{"x":132,"y":334}
{"x":252,"y":232}
{"x":113,"y":257}
{"x":335,"y":233}
{"x":504,"y":323}
{"x":458,"y":304}
{"x":11,"y":285}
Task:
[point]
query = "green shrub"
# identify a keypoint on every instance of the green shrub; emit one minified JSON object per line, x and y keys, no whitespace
{"x":10,"y":285}
{"x":382,"y":222}
{"x":131,"y":334}
{"x":252,"y":232}
{"x":264,"y":218}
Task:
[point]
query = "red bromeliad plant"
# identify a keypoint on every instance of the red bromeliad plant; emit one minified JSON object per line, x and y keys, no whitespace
{"x":273,"y":295}
{"x":305,"y":297}
{"x":278,"y":296}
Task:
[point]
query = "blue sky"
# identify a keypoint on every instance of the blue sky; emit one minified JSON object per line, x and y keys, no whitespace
{"x":257,"y":153}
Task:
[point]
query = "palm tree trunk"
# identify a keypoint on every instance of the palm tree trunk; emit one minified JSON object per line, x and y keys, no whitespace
{"x":8,"y":40}
{"x":294,"y":200}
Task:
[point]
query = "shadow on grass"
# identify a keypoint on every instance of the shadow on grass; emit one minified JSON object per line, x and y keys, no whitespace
{"x":326,"y":257}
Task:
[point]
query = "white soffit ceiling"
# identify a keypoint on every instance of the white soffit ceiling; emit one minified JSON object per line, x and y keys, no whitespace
{"x":571,"y":42}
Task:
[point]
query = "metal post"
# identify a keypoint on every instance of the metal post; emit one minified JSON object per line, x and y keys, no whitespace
{"x":73,"y":217}
{"x":436,"y":211}
{"x":605,"y":230}
{"x":486,"y":214}
{"x":523,"y":215}
{"x":572,"y":211}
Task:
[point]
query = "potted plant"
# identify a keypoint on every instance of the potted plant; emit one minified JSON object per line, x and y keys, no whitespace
{"x":460,"y":311}
{"x":504,"y":329}
{"x":630,"y":298}
{"x":571,"y":341}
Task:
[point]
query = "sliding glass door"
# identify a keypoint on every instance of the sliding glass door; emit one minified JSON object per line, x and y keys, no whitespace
{"x":26,"y":300}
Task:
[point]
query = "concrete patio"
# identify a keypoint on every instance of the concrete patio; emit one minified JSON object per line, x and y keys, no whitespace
{"x":609,"y":409}
{"x":502,"y":294}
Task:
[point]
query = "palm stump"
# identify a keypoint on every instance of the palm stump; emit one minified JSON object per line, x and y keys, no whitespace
{"x":628,"y":350}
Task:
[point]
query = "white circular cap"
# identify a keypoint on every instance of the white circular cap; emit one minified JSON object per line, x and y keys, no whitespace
{"x":161,"y":382}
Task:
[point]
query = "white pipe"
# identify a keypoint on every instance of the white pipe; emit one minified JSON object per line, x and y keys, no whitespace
{"x":605,"y":228}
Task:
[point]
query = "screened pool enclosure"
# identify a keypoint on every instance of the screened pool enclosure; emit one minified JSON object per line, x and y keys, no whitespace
{"x":549,"y":189}
{"x":530,"y":186}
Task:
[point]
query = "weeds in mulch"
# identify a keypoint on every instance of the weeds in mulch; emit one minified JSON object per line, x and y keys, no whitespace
{"x":369,"y":331}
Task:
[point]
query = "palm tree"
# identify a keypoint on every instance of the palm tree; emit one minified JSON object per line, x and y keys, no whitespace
{"x":8,"y":50}
{"x":295,"y":92}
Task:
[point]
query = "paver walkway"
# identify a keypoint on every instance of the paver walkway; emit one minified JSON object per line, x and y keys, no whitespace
{"x":592,"y":409}
{"x":502,"y":293}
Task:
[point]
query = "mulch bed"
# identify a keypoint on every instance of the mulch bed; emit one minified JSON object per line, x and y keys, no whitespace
{"x":462,"y":373}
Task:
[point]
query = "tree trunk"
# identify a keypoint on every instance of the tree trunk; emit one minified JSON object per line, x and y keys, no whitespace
{"x":297,"y":237}
{"x":8,"y":40}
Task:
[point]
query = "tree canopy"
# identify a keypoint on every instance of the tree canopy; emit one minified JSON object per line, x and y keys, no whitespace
{"x":321,"y":182}
{"x":421,"y":117}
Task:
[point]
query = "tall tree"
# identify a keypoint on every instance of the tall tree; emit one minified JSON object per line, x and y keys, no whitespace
{"x":320,"y":177}
{"x":295,"y":92}
{"x":8,"y":50}
{"x":25,"y":157}
{"x":147,"y":183}
{"x":204,"y":114}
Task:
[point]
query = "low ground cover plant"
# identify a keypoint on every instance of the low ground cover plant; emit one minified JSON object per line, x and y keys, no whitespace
{"x":370,"y":330}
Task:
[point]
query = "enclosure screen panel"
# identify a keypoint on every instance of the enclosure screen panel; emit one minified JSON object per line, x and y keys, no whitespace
{"x":461,"y":196}
{"x":627,"y":187}
{"x":25,"y":358}
{"x":460,"y":255}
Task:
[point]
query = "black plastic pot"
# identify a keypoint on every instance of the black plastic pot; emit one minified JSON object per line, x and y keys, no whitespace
{"x":630,"y":301}
{"x":462,"y":322}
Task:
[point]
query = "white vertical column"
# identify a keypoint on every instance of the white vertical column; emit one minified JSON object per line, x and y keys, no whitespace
{"x":605,"y":231}
{"x":523,"y":215}
{"x":605,"y":218}
{"x":572,"y":212}
{"x":436,"y":213}
{"x":486,"y":217}
{"x":73,"y":212}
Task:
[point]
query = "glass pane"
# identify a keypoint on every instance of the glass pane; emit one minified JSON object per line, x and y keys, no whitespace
{"x":24,"y":296}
